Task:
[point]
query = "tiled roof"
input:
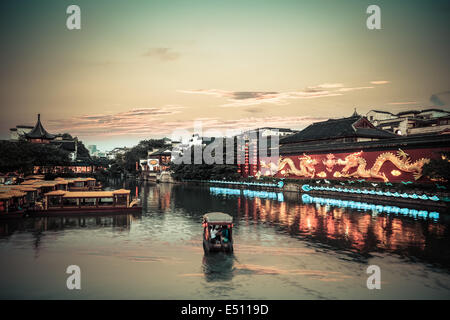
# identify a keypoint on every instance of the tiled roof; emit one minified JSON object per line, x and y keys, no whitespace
{"x":39,"y":132}
{"x":336,"y":128}
{"x":431,"y":140}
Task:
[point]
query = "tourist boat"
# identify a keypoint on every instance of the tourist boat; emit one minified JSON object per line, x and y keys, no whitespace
{"x":61,"y":202}
{"x":12,"y":202}
{"x":223,"y":240}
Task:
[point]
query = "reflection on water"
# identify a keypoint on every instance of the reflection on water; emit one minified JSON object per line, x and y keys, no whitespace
{"x":375,"y":208}
{"x":344,"y":224}
{"x":218,"y":267}
{"x":39,"y":225}
{"x":286,"y":247}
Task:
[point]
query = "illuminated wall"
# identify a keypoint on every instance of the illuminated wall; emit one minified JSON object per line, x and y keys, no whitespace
{"x":394,"y":165}
{"x":249,"y":165}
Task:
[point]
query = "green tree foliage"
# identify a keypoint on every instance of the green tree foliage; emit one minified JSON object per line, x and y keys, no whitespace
{"x":22,"y":156}
{"x":82,"y":151}
{"x":204,"y":171}
{"x":439,"y":168}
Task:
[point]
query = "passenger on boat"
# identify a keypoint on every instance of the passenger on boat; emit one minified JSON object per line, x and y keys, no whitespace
{"x":225,"y":234}
{"x":214,"y":233}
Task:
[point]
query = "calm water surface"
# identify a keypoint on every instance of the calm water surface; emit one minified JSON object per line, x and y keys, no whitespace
{"x":284,"y":249}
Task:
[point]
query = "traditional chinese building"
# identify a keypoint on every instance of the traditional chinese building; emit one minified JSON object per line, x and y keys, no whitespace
{"x":353,"y":148}
{"x":38,"y":134}
{"x":156,"y":161}
{"x":412,"y":121}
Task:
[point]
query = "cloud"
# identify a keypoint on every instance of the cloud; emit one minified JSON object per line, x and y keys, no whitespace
{"x":249,"y":98}
{"x":135,"y":121}
{"x":402,"y":103}
{"x":253,"y":110}
{"x":379,"y":82}
{"x":256,"y":122}
{"x":329,"y":85}
{"x":352,"y":89}
{"x":150,"y":122}
{"x":164,"y":54}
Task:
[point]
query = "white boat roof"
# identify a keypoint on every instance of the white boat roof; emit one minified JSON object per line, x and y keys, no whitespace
{"x":215,"y":217}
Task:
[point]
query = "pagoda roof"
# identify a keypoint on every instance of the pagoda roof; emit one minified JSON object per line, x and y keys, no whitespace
{"x":39,"y":132}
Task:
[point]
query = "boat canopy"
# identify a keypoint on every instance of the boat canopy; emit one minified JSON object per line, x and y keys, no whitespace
{"x":217,"y":217}
{"x":88,"y":194}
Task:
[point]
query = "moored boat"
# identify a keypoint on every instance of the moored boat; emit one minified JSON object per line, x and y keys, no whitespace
{"x":61,"y":202}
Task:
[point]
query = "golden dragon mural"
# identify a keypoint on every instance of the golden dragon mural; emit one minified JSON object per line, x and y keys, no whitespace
{"x":401,"y":160}
{"x":307,"y":165}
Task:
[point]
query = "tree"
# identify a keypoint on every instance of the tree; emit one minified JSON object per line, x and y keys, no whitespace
{"x":82,"y":152}
{"x":22,"y":156}
{"x":138,"y":152}
{"x":204,"y":171}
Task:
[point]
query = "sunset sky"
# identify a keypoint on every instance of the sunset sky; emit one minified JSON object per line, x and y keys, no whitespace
{"x":140,"y":69}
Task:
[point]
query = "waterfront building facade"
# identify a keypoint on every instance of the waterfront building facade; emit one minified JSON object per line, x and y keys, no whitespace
{"x":156,"y":161}
{"x":253,"y":154}
{"x":353,"y":148}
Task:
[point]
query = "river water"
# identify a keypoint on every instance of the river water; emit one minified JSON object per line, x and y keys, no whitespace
{"x":287,"y":246}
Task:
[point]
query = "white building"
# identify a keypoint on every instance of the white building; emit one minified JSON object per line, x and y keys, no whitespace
{"x":412,"y":121}
{"x":116,"y":151}
{"x":19,"y":131}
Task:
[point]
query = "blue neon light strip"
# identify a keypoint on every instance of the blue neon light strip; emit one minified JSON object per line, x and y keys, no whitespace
{"x":307,"y":188}
{"x":248,"y":193}
{"x":279,"y":184}
{"x":367,"y":206}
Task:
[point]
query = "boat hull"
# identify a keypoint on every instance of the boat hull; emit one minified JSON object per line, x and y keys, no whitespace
{"x":211,"y":247}
{"x":73,"y":212}
{"x":12,"y":215}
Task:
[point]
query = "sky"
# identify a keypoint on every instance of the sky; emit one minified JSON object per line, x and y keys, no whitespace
{"x":143,"y":69}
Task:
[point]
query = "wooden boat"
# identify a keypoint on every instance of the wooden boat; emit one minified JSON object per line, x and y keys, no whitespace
{"x":221,"y":222}
{"x":11,"y":202}
{"x":63,"y":197}
{"x":62,"y":202}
